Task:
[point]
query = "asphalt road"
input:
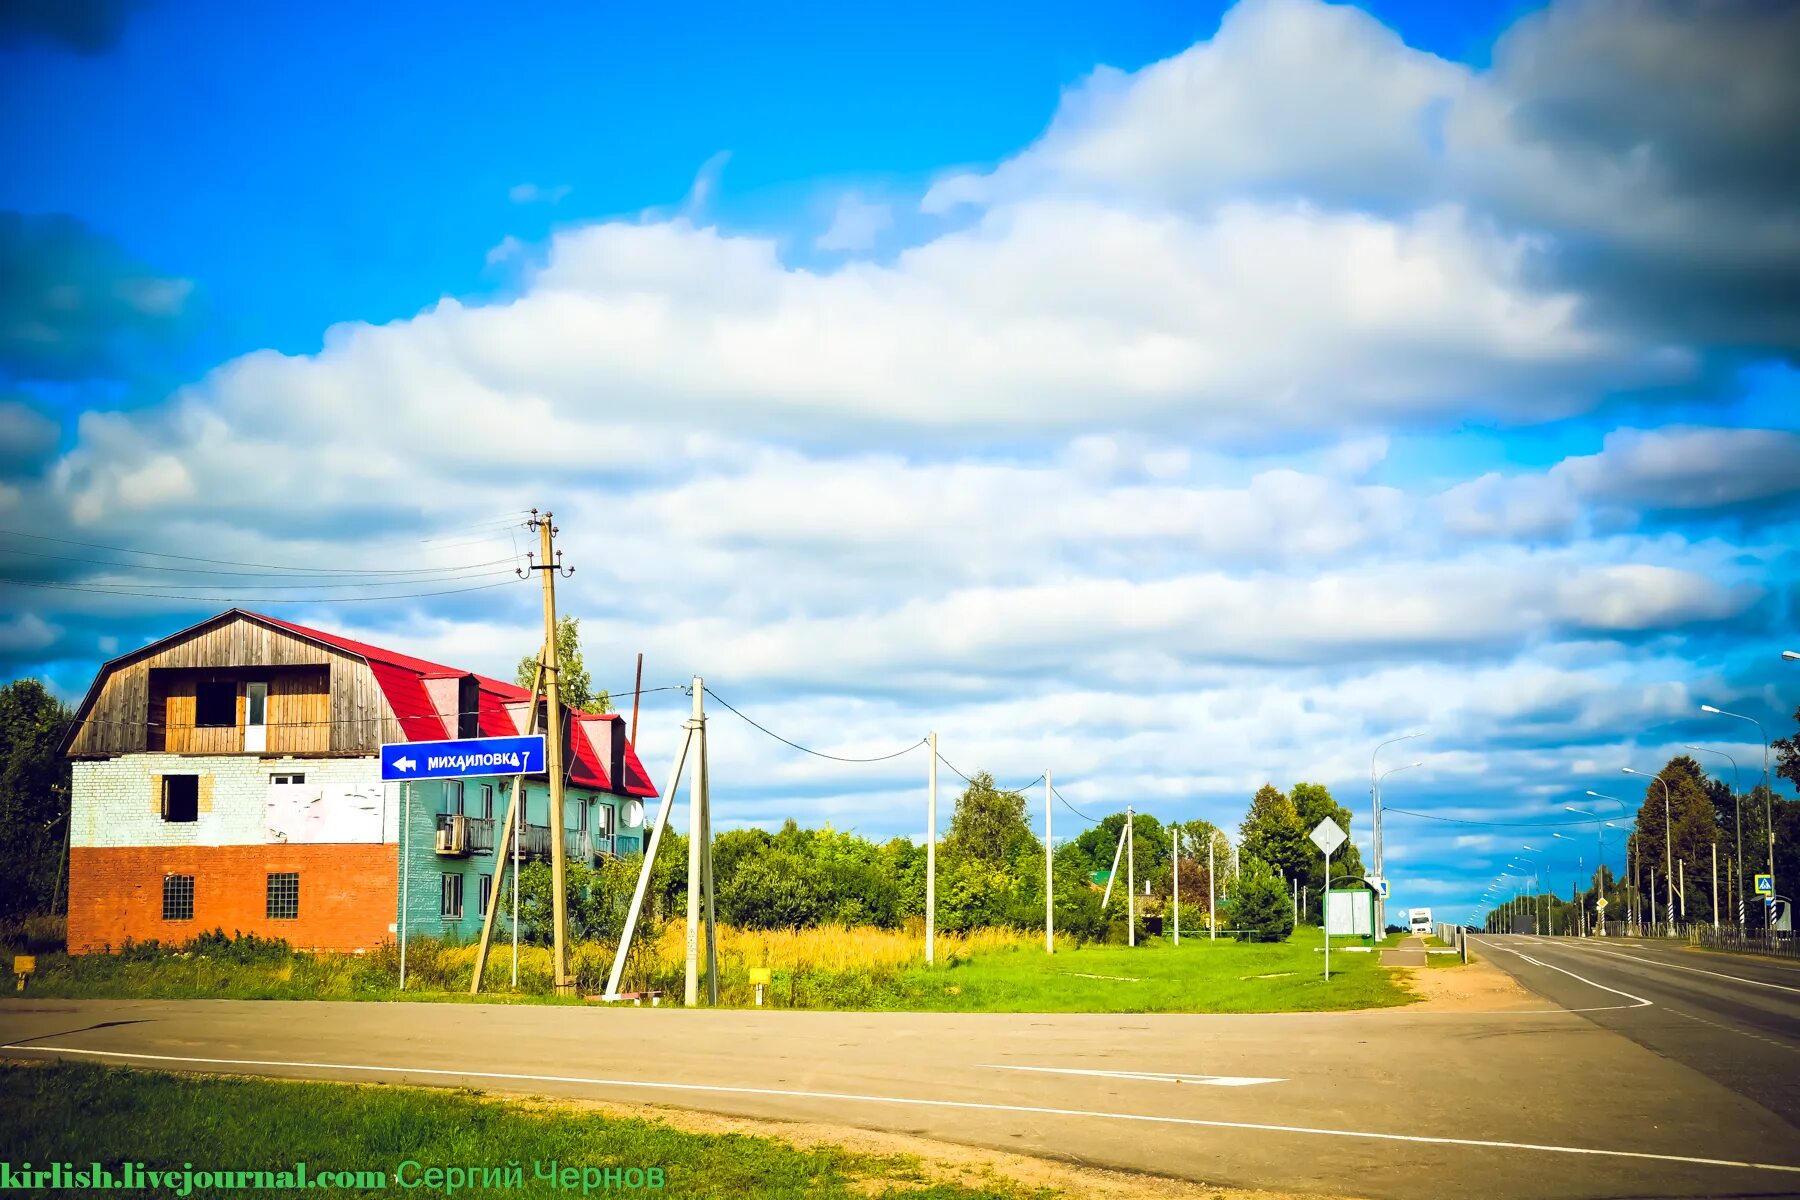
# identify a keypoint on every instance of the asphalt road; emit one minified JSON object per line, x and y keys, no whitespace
{"x":1532,"y":1101}
{"x":1733,"y":1018}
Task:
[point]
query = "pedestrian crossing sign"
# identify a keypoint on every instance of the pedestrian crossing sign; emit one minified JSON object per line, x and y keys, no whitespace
{"x":1765,"y":885}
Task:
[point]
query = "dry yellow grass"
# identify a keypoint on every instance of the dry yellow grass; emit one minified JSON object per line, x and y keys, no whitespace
{"x":810,"y":965}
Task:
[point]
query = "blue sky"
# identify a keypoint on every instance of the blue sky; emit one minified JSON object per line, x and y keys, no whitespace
{"x":1177,"y":396}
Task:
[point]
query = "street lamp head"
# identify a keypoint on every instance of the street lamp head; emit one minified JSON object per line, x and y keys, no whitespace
{"x":1793,"y":655}
{"x":1708,"y":708}
{"x":1629,"y":771}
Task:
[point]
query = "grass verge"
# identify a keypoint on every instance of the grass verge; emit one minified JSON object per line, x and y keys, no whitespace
{"x":855,"y":969}
{"x":82,"y":1115}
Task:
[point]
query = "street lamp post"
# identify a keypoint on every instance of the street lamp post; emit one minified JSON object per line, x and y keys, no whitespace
{"x":1768,"y":794}
{"x":1375,"y":830}
{"x":1625,"y":811}
{"x":1737,"y":812}
{"x":1536,"y":860}
{"x":1668,"y":846}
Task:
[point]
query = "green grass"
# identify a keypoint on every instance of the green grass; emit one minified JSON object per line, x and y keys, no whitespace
{"x":1198,"y":976}
{"x":85,"y":1114}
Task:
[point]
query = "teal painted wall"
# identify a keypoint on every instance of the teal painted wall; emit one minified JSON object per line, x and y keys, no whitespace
{"x":422,"y":869}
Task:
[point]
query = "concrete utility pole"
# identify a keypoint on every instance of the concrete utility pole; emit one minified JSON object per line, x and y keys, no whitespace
{"x":1049,"y":874}
{"x":551,"y":566}
{"x":1212,"y":916}
{"x":1176,"y":880}
{"x":931,"y":854}
{"x":1130,"y":879}
{"x":700,"y":889}
{"x":1715,"y":858}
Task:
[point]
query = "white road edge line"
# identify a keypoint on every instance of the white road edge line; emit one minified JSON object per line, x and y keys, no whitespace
{"x":1151,"y":1076}
{"x":1608,"y":952}
{"x":1641,"y":1002}
{"x":1036,"y":1110}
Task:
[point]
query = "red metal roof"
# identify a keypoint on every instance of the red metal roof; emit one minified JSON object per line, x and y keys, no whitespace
{"x":402,"y":680}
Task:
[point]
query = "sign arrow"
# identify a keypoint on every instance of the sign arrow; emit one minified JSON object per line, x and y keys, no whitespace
{"x":405,"y":764}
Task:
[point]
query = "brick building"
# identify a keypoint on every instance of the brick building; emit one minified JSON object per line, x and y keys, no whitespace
{"x":228,"y":776}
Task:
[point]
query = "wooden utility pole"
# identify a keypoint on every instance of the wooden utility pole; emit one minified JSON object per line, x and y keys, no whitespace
{"x":637,"y":693}
{"x":551,"y":566}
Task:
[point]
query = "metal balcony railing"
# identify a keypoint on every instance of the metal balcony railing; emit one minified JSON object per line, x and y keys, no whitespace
{"x":459,"y":836}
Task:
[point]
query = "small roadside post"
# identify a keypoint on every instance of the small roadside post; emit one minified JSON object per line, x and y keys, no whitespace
{"x":1327,"y":835}
{"x":760,"y":976}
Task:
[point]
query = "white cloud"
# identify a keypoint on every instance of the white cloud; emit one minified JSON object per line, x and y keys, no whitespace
{"x":855,"y":224}
{"x":1097,"y":475}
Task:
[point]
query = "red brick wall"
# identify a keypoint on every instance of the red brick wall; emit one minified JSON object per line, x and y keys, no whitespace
{"x":348,"y":893}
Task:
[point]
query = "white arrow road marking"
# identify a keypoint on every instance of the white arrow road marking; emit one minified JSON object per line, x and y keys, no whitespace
{"x":404,"y":764}
{"x":1153,"y":1076}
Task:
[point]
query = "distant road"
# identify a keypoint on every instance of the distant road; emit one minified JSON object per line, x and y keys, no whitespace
{"x":1530,"y":1101}
{"x":1733,"y":1018}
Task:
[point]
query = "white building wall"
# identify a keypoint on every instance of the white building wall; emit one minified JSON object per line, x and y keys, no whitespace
{"x":117,"y":801}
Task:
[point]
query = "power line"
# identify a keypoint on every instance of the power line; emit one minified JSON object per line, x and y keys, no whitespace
{"x":334,"y":721}
{"x":1071,"y":807}
{"x":72,"y":587}
{"x":997,"y":787}
{"x":809,"y":750}
{"x":225,"y":562}
{"x":310,"y":572}
{"x":230,"y":588}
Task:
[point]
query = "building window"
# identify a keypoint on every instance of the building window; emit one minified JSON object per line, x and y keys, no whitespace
{"x":215,"y":705}
{"x":486,"y":883}
{"x":452,"y":906}
{"x":284,"y":896}
{"x":453,"y":797}
{"x":178,"y":897}
{"x":487,"y":801}
{"x":606,"y":821}
{"x":181,"y":798}
{"x":288,"y":777}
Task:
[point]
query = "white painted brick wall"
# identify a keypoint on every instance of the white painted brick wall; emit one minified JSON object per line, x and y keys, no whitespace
{"x":114,"y":800}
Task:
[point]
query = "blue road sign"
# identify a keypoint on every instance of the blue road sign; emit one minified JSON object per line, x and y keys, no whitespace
{"x":405,"y":761}
{"x":1765,"y":885}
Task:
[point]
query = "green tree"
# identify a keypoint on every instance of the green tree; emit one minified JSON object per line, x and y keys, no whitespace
{"x":989,"y":825}
{"x":1273,"y":834}
{"x":573,"y":683}
{"x":34,"y":797}
{"x":1261,"y":909}
{"x":1787,"y":755}
{"x":1313,"y":802}
{"x":1694,"y":829}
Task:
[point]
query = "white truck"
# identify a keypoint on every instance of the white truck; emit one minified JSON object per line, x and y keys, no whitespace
{"x":1420,"y":920}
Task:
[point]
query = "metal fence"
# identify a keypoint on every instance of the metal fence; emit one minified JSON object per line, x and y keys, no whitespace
{"x":1756,"y":941}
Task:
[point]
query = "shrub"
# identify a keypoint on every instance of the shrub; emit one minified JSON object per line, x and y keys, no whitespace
{"x":1260,"y":908}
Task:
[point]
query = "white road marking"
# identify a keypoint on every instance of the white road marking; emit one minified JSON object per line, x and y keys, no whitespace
{"x":1641,"y":1002}
{"x":1153,"y":1076}
{"x":1609,"y":953}
{"x":976,"y":1105}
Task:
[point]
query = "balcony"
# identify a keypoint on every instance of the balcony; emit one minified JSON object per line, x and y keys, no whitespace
{"x":459,"y":836}
{"x":579,"y":845}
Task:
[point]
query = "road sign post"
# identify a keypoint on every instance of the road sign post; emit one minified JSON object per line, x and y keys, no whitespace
{"x":1328,"y":836}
